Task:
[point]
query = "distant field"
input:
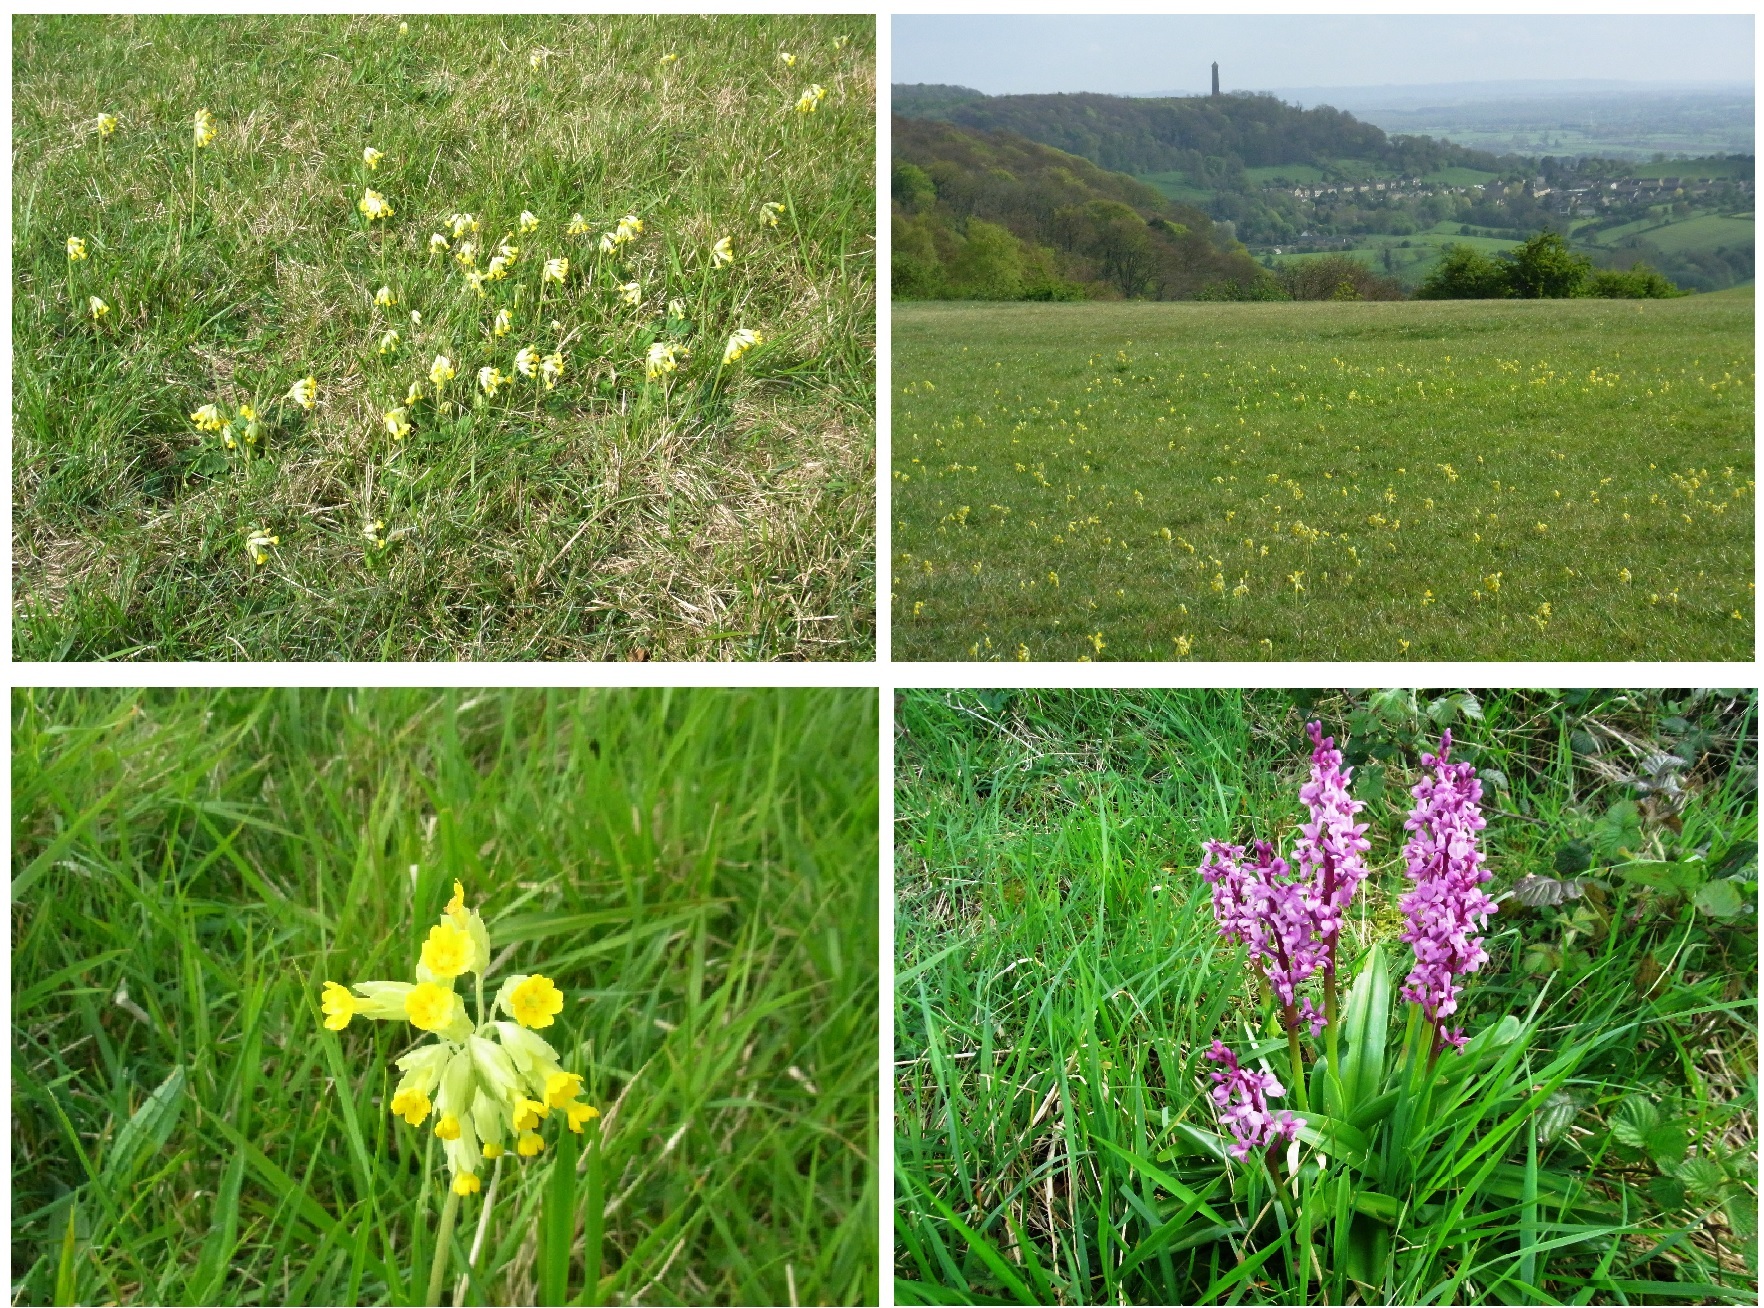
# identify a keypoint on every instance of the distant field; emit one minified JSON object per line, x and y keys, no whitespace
{"x":1176,"y":186}
{"x":1465,"y":480}
{"x":1705,"y":232}
{"x":1460,"y":177}
{"x":1287,"y":174}
{"x":1694,"y":168}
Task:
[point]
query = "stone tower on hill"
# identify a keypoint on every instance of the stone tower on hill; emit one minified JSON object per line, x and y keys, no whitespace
{"x":1215,"y":77}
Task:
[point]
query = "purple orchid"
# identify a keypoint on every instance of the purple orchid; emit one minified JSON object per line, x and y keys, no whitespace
{"x":1242,"y":1098}
{"x":1272,"y":909}
{"x":1331,"y":847}
{"x":1447,"y":909}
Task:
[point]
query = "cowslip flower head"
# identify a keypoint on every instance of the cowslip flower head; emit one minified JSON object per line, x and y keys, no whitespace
{"x":461,"y":223}
{"x":375,"y":533}
{"x":484,"y":1085}
{"x":397,"y":423}
{"x":551,"y":368}
{"x":1242,"y":1098}
{"x":669,"y":59}
{"x":371,"y":157}
{"x":76,"y":248}
{"x":770,"y":212}
{"x":786,"y":58}
{"x":529,"y":221}
{"x":384,"y":297}
{"x":304,"y":392}
{"x":389,"y":341}
{"x":1447,"y":909}
{"x":739,"y":344}
{"x":662,"y":359}
{"x":555,"y":270}
{"x":497,"y":269}
{"x":466,"y":255}
{"x":811,"y":99}
{"x":527,"y":361}
{"x":106,"y":124}
{"x":257,"y":545}
{"x":414,"y":394}
{"x":504,"y":323}
{"x":632,"y":293}
{"x":373,"y":205}
{"x":203,"y":129}
{"x":208,"y":418}
{"x":491,"y":379}
{"x":722,"y":253}
{"x":578,"y":226}
{"x":437,"y":243}
{"x":441,"y":371}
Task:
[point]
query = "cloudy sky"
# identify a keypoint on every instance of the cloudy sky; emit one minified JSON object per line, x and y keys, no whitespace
{"x":1173,"y":54}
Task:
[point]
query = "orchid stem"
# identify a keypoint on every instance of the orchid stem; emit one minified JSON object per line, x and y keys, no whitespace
{"x":1298,"y":1065}
{"x":443,"y":1247}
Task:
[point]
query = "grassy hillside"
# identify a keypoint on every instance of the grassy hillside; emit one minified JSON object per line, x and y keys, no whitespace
{"x":1468,"y":480}
{"x":616,"y":510}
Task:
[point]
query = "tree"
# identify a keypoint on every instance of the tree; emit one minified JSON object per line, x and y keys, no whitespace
{"x":1544,"y":268}
{"x":1465,"y":273}
{"x":1336,"y":277}
{"x":913,"y":188}
{"x":990,"y":264}
{"x":1639,"y":282}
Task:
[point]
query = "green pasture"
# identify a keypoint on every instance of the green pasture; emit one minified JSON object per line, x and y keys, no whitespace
{"x":681,"y":504}
{"x":1446,"y":480}
{"x":696,"y":870}
{"x":1059,"y":977}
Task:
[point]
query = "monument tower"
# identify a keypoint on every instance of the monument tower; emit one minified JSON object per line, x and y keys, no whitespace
{"x":1215,"y":77}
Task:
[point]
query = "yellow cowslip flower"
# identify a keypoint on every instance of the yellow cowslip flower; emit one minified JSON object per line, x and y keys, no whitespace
{"x":561,"y":1087}
{"x":461,"y":223}
{"x":203,"y":129}
{"x":739,"y":344}
{"x":578,"y":226}
{"x":476,"y":281}
{"x":840,"y":42}
{"x":491,"y":379}
{"x":414,"y":394}
{"x":412,"y":1105}
{"x":555,"y":270}
{"x":536,"y":60}
{"x":465,"y":1183}
{"x":257,"y":543}
{"x":530,"y":1144}
{"x":447,"y":1128}
{"x":529,"y":221}
{"x":663,"y":358}
{"x":208,"y":418}
{"x":669,"y":58}
{"x":1184,"y":646}
{"x":533,"y":1001}
{"x":373,"y":205}
{"x":493,"y":1150}
{"x":770,"y":212}
{"x":106,"y":124}
{"x":398,"y":426}
{"x":629,"y":229}
{"x":787,"y":59}
{"x":389,"y":341}
{"x":432,"y":1007}
{"x":527,"y":361}
{"x":551,"y":368}
{"x":608,"y":243}
{"x":504,"y":323}
{"x":811,"y":99}
{"x":577,"y":1115}
{"x":339,"y":1007}
{"x":676,"y":308}
{"x":722,"y":253}
{"x":437,"y":243}
{"x":497,"y":270}
{"x":1623,"y":576}
{"x":98,"y":308}
{"x":371,"y":157}
{"x":466,"y":255}
{"x":384,"y":297}
{"x":76,"y":248}
{"x":375,"y":532}
{"x":632,"y":293}
{"x":441,"y":371}
{"x":404,"y":29}
{"x":416,"y":318}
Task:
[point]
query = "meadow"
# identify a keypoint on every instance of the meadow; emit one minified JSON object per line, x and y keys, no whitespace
{"x":1449,"y":480}
{"x":696,"y":871}
{"x":446,"y":337}
{"x":1059,"y":978}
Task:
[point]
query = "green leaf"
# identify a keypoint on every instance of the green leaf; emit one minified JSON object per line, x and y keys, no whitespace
{"x":1379,"y":1207}
{"x":1618,"y":832}
{"x":557,"y":1223}
{"x":1572,"y":858}
{"x":66,"y":1273}
{"x":146,"y":1132}
{"x":1667,"y":1143}
{"x":1364,"y":1028}
{"x":1555,"y":1116}
{"x":1369,"y":782}
{"x":1720,"y":899}
{"x":1667,"y":879}
{"x":1667,"y":1191}
{"x":1702,"y":1176}
{"x":1635,"y":1117}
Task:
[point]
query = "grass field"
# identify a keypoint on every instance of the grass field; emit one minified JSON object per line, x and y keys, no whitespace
{"x":1059,"y":977}
{"x":638,"y":506}
{"x":695,"y":869}
{"x":1468,"y":480}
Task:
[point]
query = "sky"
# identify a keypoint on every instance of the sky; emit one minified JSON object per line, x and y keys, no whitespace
{"x":1136,"y":54}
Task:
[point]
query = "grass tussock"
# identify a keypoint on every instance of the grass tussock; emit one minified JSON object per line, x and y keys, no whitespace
{"x":619,"y":510}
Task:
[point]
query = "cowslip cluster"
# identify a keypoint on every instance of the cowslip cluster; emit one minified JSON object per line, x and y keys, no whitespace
{"x":1242,"y":1098}
{"x":1447,"y":909}
{"x":484,"y":1083}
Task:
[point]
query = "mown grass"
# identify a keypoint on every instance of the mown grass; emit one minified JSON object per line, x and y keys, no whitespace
{"x":696,"y":869}
{"x":1324,"y":481}
{"x":1059,"y":976}
{"x":716,"y":513}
